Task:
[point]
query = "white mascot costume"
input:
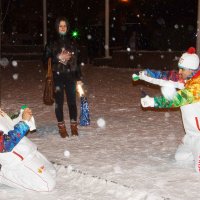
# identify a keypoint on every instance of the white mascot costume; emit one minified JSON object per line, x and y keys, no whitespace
{"x":189,"y":149}
{"x":187,"y":98}
{"x":25,"y":167}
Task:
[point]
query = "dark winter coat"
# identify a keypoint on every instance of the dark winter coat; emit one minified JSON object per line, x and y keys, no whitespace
{"x":54,"y":47}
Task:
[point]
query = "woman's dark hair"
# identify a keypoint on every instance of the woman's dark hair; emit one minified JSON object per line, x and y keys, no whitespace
{"x":58,"y":20}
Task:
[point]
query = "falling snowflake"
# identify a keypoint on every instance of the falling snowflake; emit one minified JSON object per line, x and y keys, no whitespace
{"x":14,"y":63}
{"x":66,"y":153}
{"x":89,"y":37}
{"x":176,"y":26}
{"x":4,"y":62}
{"x":101,"y":123}
{"x":15,"y":76}
{"x":113,"y":39}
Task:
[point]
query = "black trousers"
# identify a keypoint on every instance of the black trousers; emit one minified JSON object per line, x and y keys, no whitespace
{"x":65,"y":84}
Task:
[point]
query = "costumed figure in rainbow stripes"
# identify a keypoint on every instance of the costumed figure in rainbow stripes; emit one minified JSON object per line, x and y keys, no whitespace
{"x":187,"y":97}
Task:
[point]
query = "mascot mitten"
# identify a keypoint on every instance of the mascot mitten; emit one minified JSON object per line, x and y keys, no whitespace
{"x":147,"y":101}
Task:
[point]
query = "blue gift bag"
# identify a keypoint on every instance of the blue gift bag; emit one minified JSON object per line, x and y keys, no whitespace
{"x":84,"y":113}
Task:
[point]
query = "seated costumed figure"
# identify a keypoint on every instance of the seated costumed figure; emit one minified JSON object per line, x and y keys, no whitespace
{"x":22,"y":165}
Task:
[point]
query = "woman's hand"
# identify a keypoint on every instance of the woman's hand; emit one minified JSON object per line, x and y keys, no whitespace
{"x":27,"y":114}
{"x":64,"y":55}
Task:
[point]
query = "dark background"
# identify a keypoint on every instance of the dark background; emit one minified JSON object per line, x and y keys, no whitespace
{"x":168,"y":25}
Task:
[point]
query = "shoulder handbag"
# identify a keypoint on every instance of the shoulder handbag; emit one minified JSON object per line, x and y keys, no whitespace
{"x":48,"y":96}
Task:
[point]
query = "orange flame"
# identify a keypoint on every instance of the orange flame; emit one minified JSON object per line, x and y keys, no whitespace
{"x":80,"y":90}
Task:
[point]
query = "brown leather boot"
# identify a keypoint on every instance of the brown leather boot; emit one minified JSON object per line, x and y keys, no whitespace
{"x":62,"y":129}
{"x":74,"y":129}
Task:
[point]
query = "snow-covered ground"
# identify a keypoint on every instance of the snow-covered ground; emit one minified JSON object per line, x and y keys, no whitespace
{"x":130,"y":158}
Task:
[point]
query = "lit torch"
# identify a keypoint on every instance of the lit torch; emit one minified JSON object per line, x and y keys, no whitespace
{"x":80,"y":90}
{"x":84,"y":113}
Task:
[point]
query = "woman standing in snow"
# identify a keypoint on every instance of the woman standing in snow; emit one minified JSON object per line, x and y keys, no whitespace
{"x":22,"y":165}
{"x":66,"y":74}
{"x":188,"y":99}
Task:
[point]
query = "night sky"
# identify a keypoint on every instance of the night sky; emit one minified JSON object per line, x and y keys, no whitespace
{"x":158,"y":24}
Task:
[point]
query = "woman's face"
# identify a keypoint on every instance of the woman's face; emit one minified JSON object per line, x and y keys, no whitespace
{"x":185,"y":73}
{"x":62,"y":27}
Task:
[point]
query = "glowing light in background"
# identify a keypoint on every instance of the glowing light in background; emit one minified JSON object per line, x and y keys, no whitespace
{"x":124,"y":1}
{"x":75,"y":34}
